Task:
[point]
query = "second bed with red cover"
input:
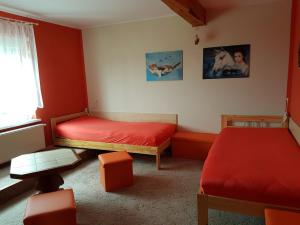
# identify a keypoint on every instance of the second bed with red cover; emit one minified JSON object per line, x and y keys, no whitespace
{"x":254,"y":164}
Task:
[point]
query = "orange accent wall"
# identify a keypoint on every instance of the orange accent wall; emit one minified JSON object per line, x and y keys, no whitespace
{"x":61,"y":68}
{"x":294,"y":70}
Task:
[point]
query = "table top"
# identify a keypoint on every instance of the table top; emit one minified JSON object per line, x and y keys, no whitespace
{"x":43,"y":163}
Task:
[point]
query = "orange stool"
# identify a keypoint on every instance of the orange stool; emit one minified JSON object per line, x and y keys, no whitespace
{"x":51,"y":208}
{"x":280,"y":217}
{"x":115,"y":170}
{"x":192,"y":145}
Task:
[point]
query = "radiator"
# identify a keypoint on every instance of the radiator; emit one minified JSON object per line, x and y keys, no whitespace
{"x":20,"y":141}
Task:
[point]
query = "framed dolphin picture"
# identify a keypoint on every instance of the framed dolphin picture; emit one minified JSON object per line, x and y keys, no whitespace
{"x":226,"y":62}
{"x":164,"y":66}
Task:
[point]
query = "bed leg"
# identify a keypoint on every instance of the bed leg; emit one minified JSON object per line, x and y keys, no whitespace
{"x":158,"y":160}
{"x":202,"y":209}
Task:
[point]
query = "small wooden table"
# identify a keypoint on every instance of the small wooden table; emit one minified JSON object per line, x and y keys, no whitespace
{"x":46,"y":165}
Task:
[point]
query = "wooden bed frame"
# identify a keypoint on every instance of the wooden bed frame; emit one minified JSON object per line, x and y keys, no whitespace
{"x":128,"y":117}
{"x":253,"y":121}
{"x":205,"y":202}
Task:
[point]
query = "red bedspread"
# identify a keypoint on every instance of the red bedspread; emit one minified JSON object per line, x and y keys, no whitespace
{"x":88,"y":128}
{"x":254,"y":164}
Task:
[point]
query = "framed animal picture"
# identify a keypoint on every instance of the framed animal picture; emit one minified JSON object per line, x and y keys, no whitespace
{"x":226,"y":62}
{"x":164,"y":66}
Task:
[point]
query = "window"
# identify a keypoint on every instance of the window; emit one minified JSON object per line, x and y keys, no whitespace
{"x":20,"y":93}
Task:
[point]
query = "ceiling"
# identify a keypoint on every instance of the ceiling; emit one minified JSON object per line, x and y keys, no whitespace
{"x":91,"y":13}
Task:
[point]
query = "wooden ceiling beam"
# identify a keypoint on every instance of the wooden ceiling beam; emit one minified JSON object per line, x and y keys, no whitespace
{"x":190,"y":10}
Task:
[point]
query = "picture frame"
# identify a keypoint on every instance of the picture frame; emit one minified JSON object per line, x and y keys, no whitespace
{"x":164,"y":66}
{"x":226,"y":62}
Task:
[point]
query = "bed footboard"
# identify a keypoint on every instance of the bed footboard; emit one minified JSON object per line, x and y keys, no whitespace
{"x":206,"y":202}
{"x":147,"y":150}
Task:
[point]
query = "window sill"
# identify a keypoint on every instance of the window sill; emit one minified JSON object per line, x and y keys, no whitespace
{"x":19,"y":125}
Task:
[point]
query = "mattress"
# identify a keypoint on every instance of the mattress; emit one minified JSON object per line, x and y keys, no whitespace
{"x":254,"y":164}
{"x":88,"y":128}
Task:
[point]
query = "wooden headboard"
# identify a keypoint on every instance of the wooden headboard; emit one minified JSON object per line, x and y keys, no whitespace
{"x":295,"y":129}
{"x":59,"y":119}
{"x":137,"y":117}
{"x":118,"y":116}
{"x":262,"y":121}
{"x":252,"y":121}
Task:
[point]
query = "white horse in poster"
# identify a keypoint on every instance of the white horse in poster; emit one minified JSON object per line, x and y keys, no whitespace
{"x":223,"y":61}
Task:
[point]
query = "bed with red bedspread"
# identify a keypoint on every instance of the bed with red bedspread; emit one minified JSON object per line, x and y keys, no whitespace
{"x":251,"y":165}
{"x":92,"y":132}
{"x":90,"y":128}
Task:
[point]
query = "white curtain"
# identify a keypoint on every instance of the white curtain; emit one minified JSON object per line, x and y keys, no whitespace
{"x":20,"y":93}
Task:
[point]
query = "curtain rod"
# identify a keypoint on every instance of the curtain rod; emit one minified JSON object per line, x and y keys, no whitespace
{"x":17,"y":21}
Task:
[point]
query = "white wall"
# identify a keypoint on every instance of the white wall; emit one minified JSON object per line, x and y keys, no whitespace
{"x":116,"y":73}
{"x":21,"y":141}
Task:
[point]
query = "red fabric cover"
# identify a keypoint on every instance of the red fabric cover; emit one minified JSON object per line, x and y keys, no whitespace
{"x":88,"y":128}
{"x":254,"y":164}
{"x":281,"y":217}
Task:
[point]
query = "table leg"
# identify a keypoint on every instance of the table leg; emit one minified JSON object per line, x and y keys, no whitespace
{"x":49,"y":183}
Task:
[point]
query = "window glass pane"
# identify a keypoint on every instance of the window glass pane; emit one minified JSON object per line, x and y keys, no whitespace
{"x":19,"y":78}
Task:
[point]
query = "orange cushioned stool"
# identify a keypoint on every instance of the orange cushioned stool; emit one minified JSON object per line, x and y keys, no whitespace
{"x":115,"y":170}
{"x":281,"y":217}
{"x":53,"y":208}
{"x":191,"y":145}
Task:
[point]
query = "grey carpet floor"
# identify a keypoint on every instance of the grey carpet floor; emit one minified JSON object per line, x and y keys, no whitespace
{"x":165,"y":197}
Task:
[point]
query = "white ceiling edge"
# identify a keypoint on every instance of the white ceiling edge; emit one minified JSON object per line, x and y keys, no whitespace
{"x":128,"y":21}
{"x":28,"y":15}
{"x":166,"y":16}
{"x":37,"y":17}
